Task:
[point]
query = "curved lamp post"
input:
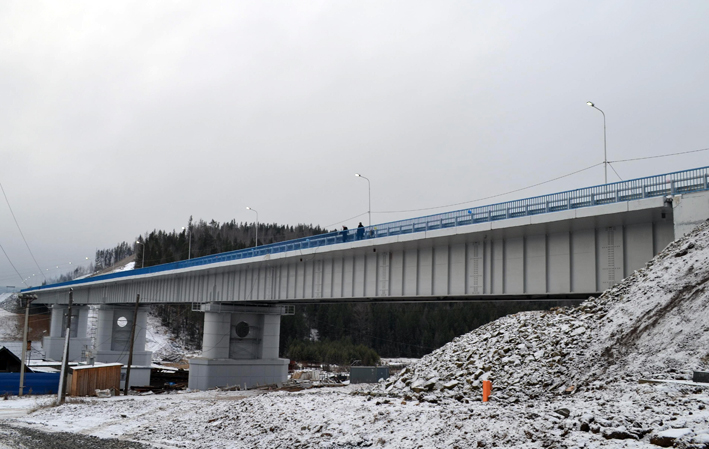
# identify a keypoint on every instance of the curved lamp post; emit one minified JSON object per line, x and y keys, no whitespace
{"x":605,"y":154}
{"x":369,"y":185}
{"x":247,"y":207}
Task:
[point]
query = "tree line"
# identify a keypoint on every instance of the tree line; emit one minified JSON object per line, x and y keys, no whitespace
{"x":204,"y":239}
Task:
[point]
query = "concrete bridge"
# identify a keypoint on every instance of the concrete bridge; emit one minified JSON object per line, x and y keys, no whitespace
{"x":567,"y":245}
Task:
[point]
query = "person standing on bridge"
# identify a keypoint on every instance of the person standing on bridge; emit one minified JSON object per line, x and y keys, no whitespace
{"x":344,"y":233}
{"x":360,"y":231}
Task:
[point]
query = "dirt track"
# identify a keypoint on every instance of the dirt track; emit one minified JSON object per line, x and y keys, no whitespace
{"x":23,"y":437}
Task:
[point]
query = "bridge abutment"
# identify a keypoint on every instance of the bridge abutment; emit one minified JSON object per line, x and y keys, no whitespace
{"x":54,"y":343}
{"x":239,"y":347}
{"x":690,"y":210}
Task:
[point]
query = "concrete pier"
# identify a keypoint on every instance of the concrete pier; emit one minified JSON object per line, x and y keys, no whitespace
{"x":240,"y":347}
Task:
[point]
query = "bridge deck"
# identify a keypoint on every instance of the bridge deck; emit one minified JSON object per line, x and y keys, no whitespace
{"x":687,"y":181}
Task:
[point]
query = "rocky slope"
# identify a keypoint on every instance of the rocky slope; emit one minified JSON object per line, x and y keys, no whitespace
{"x":651,"y":325}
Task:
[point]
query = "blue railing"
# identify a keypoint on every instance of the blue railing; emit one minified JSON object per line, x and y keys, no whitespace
{"x":660,"y":185}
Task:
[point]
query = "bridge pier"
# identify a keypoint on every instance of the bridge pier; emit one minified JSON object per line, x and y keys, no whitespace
{"x":240,"y":347}
{"x":113,"y":329}
{"x":53,"y":344}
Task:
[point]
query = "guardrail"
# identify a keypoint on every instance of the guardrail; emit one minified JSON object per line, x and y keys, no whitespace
{"x":692,"y":180}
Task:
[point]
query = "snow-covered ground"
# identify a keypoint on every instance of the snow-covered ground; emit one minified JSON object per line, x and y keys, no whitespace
{"x":8,"y":321}
{"x":567,"y":378}
{"x":623,"y":415}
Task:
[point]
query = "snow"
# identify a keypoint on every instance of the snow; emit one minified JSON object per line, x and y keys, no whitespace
{"x":126,"y":267}
{"x":675,"y":433}
{"x":97,"y":365}
{"x":164,"y":346}
{"x":8,"y":322}
{"x":570,"y":377}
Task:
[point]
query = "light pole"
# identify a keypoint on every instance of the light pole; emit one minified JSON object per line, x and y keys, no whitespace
{"x":605,"y":154}
{"x":142,"y":243}
{"x":247,"y":207}
{"x":369,"y":186}
{"x":189,"y":241}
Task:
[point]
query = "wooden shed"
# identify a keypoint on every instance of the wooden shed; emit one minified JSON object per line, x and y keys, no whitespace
{"x":85,"y":380}
{"x":9,"y":362}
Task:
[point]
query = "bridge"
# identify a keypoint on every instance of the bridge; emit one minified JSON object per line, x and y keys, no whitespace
{"x":567,"y":245}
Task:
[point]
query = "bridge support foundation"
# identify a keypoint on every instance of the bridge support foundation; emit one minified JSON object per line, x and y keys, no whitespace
{"x":54,"y":343}
{"x":240,"y":347}
{"x":113,"y":330}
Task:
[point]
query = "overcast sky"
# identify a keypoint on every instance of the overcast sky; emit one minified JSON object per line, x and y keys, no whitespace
{"x":117,"y":118}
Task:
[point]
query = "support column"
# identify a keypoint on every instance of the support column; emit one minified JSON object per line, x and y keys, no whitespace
{"x":78,"y":343}
{"x":240,"y":347}
{"x":113,"y":329}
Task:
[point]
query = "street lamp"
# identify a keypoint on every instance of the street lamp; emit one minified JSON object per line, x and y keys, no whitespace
{"x":189,"y":240}
{"x":142,"y":243}
{"x":605,"y":154}
{"x":247,"y":207}
{"x":369,"y":185}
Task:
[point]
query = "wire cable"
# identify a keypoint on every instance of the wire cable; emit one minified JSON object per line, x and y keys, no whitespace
{"x":13,"y":266}
{"x":351,"y":218}
{"x":659,"y":156}
{"x":19,"y":229}
{"x":491,"y":196}
{"x":616,"y":173}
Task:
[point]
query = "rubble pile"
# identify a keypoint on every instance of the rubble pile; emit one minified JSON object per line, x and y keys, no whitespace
{"x":651,"y":325}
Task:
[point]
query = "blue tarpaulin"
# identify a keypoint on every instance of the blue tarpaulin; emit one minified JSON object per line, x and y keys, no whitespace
{"x":35,"y":383}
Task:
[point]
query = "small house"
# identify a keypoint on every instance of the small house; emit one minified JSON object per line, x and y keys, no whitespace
{"x":9,"y":362}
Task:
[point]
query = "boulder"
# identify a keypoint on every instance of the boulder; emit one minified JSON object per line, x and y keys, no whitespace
{"x":667,"y":438}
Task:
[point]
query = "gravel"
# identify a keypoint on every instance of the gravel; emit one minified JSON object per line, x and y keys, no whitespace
{"x":23,"y":437}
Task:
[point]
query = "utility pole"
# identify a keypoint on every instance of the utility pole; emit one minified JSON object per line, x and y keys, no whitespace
{"x":28,"y":300}
{"x":65,"y":357}
{"x":132,"y":340}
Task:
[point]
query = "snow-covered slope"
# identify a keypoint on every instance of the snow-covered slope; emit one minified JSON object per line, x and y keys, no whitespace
{"x":653,"y":324}
{"x":8,"y":320}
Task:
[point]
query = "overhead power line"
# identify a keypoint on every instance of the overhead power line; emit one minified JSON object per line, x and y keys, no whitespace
{"x":351,"y":218}
{"x":19,"y":229}
{"x":544,"y":182}
{"x":658,"y":156}
{"x":13,"y":266}
{"x":491,"y":196}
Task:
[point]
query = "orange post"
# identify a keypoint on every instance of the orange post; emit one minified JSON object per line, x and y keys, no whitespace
{"x":487,"y":389}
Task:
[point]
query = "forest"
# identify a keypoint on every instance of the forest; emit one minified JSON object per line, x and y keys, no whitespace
{"x":342,"y":331}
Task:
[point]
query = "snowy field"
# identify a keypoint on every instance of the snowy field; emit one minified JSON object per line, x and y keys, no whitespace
{"x":624,"y":415}
{"x":566,"y":378}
